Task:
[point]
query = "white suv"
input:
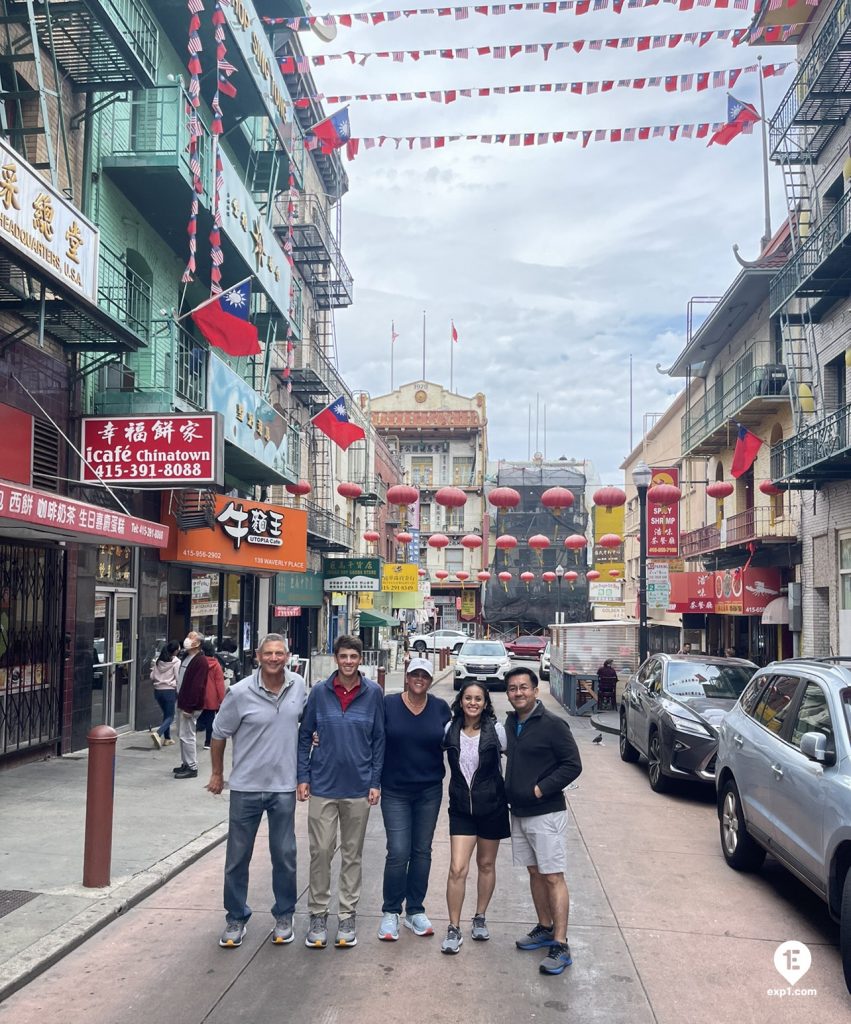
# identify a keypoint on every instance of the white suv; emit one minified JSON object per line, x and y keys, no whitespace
{"x":784,"y":780}
{"x":486,"y":661}
{"x":440,"y":639}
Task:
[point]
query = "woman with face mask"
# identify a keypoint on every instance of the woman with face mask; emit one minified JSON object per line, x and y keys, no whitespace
{"x":191,"y":688}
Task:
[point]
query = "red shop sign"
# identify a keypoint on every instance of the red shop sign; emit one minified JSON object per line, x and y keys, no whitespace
{"x":663,"y":521}
{"x":174,"y":450}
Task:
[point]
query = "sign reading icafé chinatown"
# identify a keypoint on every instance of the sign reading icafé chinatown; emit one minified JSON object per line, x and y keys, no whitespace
{"x":171,"y":449}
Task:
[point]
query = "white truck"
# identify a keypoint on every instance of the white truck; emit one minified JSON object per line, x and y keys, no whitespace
{"x":578,"y":649}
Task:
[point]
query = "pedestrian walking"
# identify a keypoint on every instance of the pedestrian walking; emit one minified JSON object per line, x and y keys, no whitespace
{"x":411,"y":793}
{"x":164,"y":673}
{"x":191,"y":686}
{"x":542,"y":758}
{"x":607,"y":682}
{"x":340,"y":760}
{"x":260,"y":714}
{"x":214,"y":693}
{"x":478,"y":809}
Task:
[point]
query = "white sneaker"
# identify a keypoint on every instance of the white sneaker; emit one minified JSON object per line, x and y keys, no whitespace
{"x":388,"y":930}
{"x":156,"y":739}
{"x":419,"y":924}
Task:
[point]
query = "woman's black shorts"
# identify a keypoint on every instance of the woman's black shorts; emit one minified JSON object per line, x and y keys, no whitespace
{"x":491,"y":826}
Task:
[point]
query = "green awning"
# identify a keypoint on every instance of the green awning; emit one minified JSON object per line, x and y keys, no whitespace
{"x":375,"y":618}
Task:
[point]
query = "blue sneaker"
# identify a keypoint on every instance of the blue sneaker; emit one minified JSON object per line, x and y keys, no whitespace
{"x":540,"y":937}
{"x":557,"y":959}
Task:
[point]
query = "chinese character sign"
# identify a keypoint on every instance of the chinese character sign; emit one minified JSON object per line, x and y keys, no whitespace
{"x":663,"y":521}
{"x":179,"y":451}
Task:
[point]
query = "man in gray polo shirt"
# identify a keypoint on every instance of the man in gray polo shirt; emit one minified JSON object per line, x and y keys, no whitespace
{"x":260,"y":714}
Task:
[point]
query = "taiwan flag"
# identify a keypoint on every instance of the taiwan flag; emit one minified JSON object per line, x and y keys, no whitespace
{"x":224,"y":321}
{"x":744,"y":456}
{"x":333,"y":132}
{"x":739,"y":116}
{"x":334,"y":421}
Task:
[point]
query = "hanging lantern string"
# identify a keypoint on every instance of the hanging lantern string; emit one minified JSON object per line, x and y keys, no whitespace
{"x":577,"y":7}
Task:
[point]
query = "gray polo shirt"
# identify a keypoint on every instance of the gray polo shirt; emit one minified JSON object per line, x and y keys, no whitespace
{"x":264,"y":729}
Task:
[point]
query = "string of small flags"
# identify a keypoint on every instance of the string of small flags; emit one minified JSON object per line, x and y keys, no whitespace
{"x":292,"y":201}
{"x":671,"y":132}
{"x":577,"y":7}
{"x":216,"y":129}
{"x":193,"y":65}
{"x":737,"y":36}
{"x":698,"y":80}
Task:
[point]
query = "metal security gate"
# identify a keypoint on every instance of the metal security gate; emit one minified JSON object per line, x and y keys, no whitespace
{"x":32,"y":592}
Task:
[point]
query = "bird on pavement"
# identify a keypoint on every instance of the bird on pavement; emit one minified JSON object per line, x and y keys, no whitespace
{"x":598,"y":738}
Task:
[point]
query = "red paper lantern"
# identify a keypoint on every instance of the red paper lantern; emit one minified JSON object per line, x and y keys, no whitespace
{"x":767,"y":487}
{"x":422,"y":572}
{"x":664,"y":494}
{"x":571,"y":576}
{"x":299,"y":489}
{"x":438,"y":540}
{"x":441,"y":574}
{"x":557,"y":497}
{"x":371,"y":536}
{"x":576,"y":541}
{"x":720,"y":489}
{"x":539,"y":542}
{"x":592,"y":575}
{"x":483,"y":576}
{"x":609,"y":497}
{"x":506,"y":542}
{"x":471,"y":541}
{"x":504,"y":497}
{"x":349,"y":490}
{"x":505,"y":577}
{"x":610,"y":540}
{"x":548,"y":577}
{"x":463,"y":575}
{"x":614,"y":573}
{"x":527,"y":577}
{"x":451,"y":497}
{"x":402,"y":494}
{"x":403,"y":537}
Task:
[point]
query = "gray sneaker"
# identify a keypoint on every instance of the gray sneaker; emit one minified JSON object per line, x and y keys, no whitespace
{"x":453,"y":941}
{"x":233,"y":934}
{"x":317,"y":933}
{"x":540,"y":937}
{"x":283,"y":930}
{"x":479,"y":932}
{"x":346,"y":933}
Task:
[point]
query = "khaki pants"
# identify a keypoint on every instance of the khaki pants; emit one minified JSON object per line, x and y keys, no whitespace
{"x":323,"y":817}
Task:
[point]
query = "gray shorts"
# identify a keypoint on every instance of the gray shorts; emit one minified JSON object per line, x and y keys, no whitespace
{"x":539,"y":842}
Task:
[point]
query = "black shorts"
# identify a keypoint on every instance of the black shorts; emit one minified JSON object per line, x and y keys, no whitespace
{"x":491,"y":826}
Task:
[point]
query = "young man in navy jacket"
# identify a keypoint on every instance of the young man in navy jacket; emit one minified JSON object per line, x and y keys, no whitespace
{"x":340,"y":759}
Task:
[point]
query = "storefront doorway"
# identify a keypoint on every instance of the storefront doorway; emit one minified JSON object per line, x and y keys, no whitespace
{"x":114,"y":657}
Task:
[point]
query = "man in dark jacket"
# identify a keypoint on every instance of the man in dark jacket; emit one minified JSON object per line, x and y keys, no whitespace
{"x":191,"y":687}
{"x":542,"y":759}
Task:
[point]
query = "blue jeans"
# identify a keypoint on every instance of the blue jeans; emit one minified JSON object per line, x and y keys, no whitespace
{"x":409,"y":821}
{"x":246,"y":810}
{"x":166,"y":700}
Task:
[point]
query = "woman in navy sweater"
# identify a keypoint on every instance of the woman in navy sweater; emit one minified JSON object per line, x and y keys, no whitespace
{"x":411,"y":791}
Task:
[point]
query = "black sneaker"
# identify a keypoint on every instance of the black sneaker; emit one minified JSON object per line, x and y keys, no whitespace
{"x":540,"y":937}
{"x":557,"y":959}
{"x":186,"y":773}
{"x":179,"y":768}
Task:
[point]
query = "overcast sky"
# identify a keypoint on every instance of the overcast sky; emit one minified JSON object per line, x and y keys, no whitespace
{"x":556,"y":263}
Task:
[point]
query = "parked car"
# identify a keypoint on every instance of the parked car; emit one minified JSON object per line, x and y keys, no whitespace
{"x":784,"y":781}
{"x":439,"y":639}
{"x":526,"y":646}
{"x":486,"y":661}
{"x":544,"y":664}
{"x":670,"y":712}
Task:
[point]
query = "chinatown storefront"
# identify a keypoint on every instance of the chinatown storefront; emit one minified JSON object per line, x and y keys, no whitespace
{"x":296,"y":601}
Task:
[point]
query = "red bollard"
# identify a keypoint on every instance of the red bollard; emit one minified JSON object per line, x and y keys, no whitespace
{"x":380,"y":676}
{"x":100,"y":791}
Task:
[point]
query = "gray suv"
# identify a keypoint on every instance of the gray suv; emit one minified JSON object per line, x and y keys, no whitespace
{"x":784,"y":780}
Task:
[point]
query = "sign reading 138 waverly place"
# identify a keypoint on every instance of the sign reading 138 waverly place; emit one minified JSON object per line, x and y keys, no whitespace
{"x":38,"y":220}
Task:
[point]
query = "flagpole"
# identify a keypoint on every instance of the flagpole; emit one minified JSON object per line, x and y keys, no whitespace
{"x":451,"y":358}
{"x":392,"y":346}
{"x":424,"y":336}
{"x":213,"y":298}
{"x":767,"y":236}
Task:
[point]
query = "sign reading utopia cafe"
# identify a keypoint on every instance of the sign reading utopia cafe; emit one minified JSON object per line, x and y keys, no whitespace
{"x":44,"y":227}
{"x":177,"y":451}
{"x":241,"y":535}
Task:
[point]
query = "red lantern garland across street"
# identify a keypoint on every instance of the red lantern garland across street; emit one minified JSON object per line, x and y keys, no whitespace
{"x":720,"y":489}
{"x":539,"y":542}
{"x":438,"y":540}
{"x":371,"y":536}
{"x":666,"y":495}
{"x":592,"y":575}
{"x":609,"y":497}
{"x":504,"y":497}
{"x":451,"y":497}
{"x":614,"y":573}
{"x":527,"y":578}
{"x":298,"y":489}
{"x":349,"y":490}
{"x":441,"y":574}
{"x":506,"y":542}
{"x":462,"y":575}
{"x":610,"y":540}
{"x":548,"y":577}
{"x":769,"y":488}
{"x":483,"y":576}
{"x":557,"y":498}
{"x":576,"y":542}
{"x":505,"y":578}
{"x":571,"y":577}
{"x":422,"y":572}
{"x":403,"y":537}
{"x":471,"y":541}
{"x":402,"y":495}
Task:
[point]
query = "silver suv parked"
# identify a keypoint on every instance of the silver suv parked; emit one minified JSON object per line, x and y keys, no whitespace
{"x":784,"y":780}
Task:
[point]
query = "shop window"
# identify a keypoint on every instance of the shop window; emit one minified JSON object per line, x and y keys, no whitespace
{"x":845,"y":573}
{"x":455,"y":519}
{"x":422,"y":471}
{"x":425,"y":518}
{"x":462,"y":471}
{"x":454,"y":559}
{"x":114,"y":565}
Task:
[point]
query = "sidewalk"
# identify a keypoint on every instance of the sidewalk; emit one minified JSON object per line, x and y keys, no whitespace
{"x":161,"y":825}
{"x":606,"y":721}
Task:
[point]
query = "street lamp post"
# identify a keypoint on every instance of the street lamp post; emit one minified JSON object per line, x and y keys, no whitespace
{"x":641,"y":477}
{"x":559,"y":570}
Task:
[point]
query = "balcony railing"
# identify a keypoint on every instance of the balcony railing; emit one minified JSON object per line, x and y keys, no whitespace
{"x":374,"y":491}
{"x":316,"y":252}
{"x":760,"y":523}
{"x":329,"y":528}
{"x":313,"y":360}
{"x":122,"y":293}
{"x":812,"y":452}
{"x":827,"y":237}
{"x":696,"y":542}
{"x":715,"y":410}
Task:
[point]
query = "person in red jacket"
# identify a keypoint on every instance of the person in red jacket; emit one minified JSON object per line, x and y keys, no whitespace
{"x":191,"y":689}
{"x":214,"y":692}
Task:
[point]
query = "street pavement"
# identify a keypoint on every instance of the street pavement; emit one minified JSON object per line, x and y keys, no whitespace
{"x":661,"y":929}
